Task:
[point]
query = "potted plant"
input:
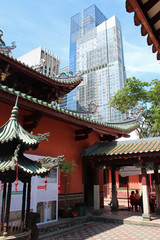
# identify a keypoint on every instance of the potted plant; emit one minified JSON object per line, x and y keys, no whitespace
{"x":66,"y":168}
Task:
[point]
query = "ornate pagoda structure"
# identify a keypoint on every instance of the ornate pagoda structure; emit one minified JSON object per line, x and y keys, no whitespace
{"x":14,"y":166}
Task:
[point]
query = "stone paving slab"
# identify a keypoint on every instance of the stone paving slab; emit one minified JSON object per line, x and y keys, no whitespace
{"x":106,"y":217}
{"x":110,"y":231}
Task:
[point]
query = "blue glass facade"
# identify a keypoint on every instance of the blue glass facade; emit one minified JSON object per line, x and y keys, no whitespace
{"x":96,"y":46}
{"x":92,"y":17}
{"x":75,"y":29}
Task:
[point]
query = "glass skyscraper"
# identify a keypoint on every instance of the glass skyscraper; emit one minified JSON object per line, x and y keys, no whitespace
{"x":96,"y":50}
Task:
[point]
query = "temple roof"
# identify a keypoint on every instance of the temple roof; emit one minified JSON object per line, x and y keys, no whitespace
{"x":121,"y":148}
{"x":14,"y":140}
{"x":147,"y":14}
{"x":25,"y":165}
{"x":23,"y":78}
{"x":30,"y":103}
{"x":13,"y":130}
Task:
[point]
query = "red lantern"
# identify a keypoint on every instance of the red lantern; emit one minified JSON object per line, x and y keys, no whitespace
{"x":45,"y":183}
{"x":16,"y":182}
{"x":1,"y":186}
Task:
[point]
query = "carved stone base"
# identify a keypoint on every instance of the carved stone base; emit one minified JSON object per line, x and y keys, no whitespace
{"x":146,"y":217}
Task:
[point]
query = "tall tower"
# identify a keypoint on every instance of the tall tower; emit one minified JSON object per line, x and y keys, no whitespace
{"x":96,"y":49}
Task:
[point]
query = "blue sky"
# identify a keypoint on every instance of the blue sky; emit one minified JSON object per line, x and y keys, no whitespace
{"x":47,"y":24}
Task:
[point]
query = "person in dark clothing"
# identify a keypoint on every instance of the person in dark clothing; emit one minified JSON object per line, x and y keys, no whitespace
{"x":133,"y":200}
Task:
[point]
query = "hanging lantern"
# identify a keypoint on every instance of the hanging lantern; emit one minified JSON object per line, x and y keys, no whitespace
{"x":1,"y":186}
{"x":59,"y":182}
{"x":59,"y":188}
{"x":3,"y":76}
{"x":45,"y":183}
{"x":16,"y":182}
{"x":59,"y":100}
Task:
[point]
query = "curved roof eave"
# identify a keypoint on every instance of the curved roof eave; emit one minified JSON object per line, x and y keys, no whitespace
{"x":68,"y":116}
{"x":147,"y":15}
{"x":25,"y":165}
{"x":70,"y":81}
{"x":13,"y":130}
{"x":123,"y":149}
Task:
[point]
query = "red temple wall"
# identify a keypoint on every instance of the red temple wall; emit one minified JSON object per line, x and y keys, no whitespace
{"x":60,"y":142}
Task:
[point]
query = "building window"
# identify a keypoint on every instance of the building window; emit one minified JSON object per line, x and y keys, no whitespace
{"x":122,"y":181}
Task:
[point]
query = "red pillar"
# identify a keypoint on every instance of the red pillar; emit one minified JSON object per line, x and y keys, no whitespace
{"x":157,"y":188}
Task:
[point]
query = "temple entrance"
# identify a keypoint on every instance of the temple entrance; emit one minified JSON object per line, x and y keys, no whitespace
{"x":88,"y":186}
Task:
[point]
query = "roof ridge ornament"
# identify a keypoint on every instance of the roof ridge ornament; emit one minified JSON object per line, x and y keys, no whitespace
{"x":7,"y":50}
{"x":14,"y":111}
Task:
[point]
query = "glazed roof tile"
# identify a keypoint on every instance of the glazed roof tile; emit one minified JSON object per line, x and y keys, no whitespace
{"x":65,"y":79}
{"x":10,"y":158}
{"x":24,"y":164}
{"x":124,"y":126}
{"x":13,"y":130}
{"x":123,"y":147}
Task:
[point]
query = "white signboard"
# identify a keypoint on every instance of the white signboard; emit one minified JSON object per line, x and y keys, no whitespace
{"x":44,"y":199}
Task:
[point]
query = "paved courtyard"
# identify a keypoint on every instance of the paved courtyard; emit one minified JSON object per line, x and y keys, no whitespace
{"x":110,"y":231}
{"x":111,"y":225}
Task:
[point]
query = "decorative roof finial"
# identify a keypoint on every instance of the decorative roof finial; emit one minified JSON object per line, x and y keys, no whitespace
{"x":6,"y":49}
{"x":14,"y":112}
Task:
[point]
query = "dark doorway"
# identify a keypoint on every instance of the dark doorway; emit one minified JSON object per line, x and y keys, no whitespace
{"x":88,"y":186}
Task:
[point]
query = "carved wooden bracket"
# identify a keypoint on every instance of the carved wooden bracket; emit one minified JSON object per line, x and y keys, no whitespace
{"x":82,"y":134}
{"x":105,"y":137}
{"x":31,"y":121}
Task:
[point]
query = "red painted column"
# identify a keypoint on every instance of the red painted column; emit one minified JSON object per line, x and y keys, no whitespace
{"x":157,"y":188}
{"x":150,"y":179}
{"x":146,"y":208}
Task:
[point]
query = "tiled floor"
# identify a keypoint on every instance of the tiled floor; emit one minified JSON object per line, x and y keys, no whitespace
{"x":112,"y":225}
{"x":110,"y":231}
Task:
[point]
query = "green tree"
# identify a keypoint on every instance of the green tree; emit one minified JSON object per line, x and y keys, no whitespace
{"x":144,"y":97}
{"x":67,"y":169}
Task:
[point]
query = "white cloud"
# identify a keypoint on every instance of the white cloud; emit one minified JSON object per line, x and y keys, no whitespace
{"x":140,"y":59}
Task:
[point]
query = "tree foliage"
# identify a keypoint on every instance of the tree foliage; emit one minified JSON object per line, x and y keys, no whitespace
{"x":144,"y":97}
{"x":67,"y":168}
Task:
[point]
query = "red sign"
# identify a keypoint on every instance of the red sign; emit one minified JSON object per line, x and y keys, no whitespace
{"x":41,"y":187}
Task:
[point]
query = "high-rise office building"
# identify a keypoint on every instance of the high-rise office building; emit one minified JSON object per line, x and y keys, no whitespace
{"x":96,"y":50}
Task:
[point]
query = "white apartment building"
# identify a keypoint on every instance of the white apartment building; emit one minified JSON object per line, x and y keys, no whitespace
{"x":42,"y":60}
